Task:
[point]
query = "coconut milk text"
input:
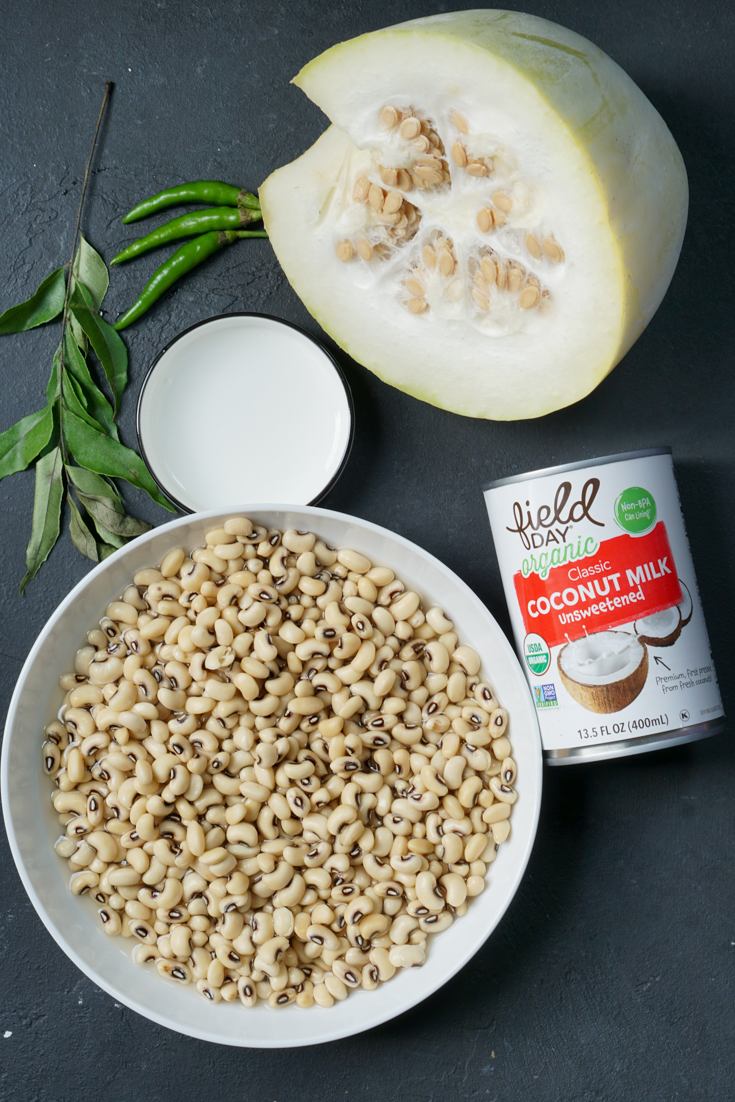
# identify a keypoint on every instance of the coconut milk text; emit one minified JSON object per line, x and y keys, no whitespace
{"x":604,"y":604}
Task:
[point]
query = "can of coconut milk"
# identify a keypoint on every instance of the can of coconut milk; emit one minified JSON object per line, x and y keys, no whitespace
{"x":604,"y":604}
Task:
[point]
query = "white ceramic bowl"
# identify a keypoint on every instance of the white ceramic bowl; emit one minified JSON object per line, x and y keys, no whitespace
{"x":32,"y":825}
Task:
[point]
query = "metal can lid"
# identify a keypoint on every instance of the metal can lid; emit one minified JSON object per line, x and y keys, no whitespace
{"x":579,"y":465}
{"x":243,"y":407}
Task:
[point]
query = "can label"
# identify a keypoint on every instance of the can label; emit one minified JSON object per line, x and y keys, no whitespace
{"x":604,"y":602}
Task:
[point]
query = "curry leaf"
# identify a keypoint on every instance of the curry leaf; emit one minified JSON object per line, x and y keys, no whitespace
{"x":24,"y":441}
{"x":96,"y":403}
{"x":107,"y":343}
{"x":90,"y":483}
{"x":90,"y":270}
{"x":109,"y":513}
{"x":105,"y":456}
{"x":44,"y":305}
{"x":80,"y":534}
{"x":46,"y":513}
{"x":73,"y":397}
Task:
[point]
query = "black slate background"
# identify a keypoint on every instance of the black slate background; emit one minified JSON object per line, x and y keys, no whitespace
{"x":611,"y":977}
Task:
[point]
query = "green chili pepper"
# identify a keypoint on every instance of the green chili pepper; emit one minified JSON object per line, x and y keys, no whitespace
{"x":198,"y":191}
{"x":183,"y":260}
{"x":187,"y":225}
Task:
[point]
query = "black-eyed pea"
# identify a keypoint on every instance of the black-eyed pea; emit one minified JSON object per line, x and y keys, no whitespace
{"x":475,"y":886}
{"x":501,"y":748}
{"x":456,"y":689}
{"x":451,"y":848}
{"x":370,"y":977}
{"x":454,"y":771}
{"x":469,"y":791}
{"x":501,"y":791}
{"x":436,"y":923}
{"x":207,"y":991}
{"x":454,"y":888}
{"x":500,"y":831}
{"x":335,"y":986}
{"x":246,"y":991}
{"x":475,"y":846}
{"x":142,"y":930}
{"x":83,"y":882}
{"x":427,"y":894}
{"x":322,"y":996}
{"x":111,"y":920}
{"x":438,"y":656}
{"x":349,"y":974}
{"x":106,"y":846}
{"x":323,"y":937}
{"x":498,"y":724}
{"x":407,"y":956}
{"x":401,"y":928}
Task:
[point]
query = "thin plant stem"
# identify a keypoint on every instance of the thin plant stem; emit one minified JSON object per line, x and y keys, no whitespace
{"x":70,"y":275}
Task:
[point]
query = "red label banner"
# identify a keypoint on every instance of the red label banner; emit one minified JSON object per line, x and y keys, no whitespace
{"x":629,"y":577}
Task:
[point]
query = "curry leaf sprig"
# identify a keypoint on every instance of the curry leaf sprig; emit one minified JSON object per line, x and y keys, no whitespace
{"x":73,"y":439}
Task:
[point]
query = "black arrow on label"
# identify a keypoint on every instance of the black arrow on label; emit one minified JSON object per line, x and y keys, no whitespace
{"x":661,"y":662}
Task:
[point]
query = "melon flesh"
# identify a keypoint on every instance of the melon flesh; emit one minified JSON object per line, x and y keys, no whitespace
{"x":521,"y":124}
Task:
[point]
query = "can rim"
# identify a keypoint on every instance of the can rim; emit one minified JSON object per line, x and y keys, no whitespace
{"x":578,"y":466}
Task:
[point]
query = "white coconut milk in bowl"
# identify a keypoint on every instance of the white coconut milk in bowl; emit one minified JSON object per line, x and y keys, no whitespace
{"x":604,"y":604}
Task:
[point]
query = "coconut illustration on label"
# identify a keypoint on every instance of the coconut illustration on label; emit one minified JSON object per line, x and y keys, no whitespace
{"x":604,"y":672}
{"x":590,"y":556}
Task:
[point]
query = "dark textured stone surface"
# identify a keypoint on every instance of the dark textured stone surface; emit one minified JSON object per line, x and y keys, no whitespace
{"x":611,"y":977}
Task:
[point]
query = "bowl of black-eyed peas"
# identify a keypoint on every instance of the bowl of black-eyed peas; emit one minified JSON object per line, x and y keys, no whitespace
{"x":267,"y":762}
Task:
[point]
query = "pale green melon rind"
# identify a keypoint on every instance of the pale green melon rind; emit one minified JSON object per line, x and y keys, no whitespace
{"x":631,"y":152}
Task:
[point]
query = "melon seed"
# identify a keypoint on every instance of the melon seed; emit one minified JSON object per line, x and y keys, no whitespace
{"x":404,"y":180}
{"x":460,"y":122}
{"x":410,"y":128}
{"x":428,"y":175}
{"x":364,"y":248}
{"x":480,"y":300}
{"x":344,"y":251}
{"x":446,"y":264}
{"x":530,"y":296}
{"x":459,"y":154}
{"x":393,"y":202}
{"x":389,"y":117}
{"x":533,"y":246}
{"x":429,"y":257}
{"x":421,"y":144}
{"x":361,"y":189}
{"x":515,"y":278}
{"x":375,"y":197}
{"x":501,"y":277}
{"x":415,"y":288}
{"x":489,"y":269}
{"x":476,"y":168}
{"x":503,"y":201}
{"x":389,"y":176}
{"x":417,"y":305}
{"x":553,"y":250}
{"x":485,"y":219}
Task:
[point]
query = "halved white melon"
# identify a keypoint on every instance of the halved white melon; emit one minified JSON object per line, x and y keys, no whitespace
{"x":493,"y":218}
